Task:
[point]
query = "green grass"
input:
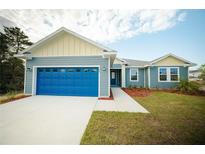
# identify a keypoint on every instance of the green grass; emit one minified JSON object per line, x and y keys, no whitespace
{"x":173,"y":119}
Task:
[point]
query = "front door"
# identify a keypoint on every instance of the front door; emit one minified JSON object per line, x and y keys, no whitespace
{"x":115,"y":77}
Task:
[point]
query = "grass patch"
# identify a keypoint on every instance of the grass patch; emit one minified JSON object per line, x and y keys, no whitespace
{"x":11,"y":96}
{"x":173,"y":119}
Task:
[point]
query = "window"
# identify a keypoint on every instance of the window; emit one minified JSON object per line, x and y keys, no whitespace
{"x":163,"y":74}
{"x":85,"y":70}
{"x":62,"y":70}
{"x":168,"y":74}
{"x":113,"y":75}
{"x":48,"y":70}
{"x":55,"y":70}
{"x":174,"y":74}
{"x":41,"y":70}
{"x":133,"y":74}
{"x":70,"y":70}
{"x":78,"y":70}
{"x":94,"y":70}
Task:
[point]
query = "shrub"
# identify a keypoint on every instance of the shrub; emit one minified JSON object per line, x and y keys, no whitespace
{"x":188,"y":87}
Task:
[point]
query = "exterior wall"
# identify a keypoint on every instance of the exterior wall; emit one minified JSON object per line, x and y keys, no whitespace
{"x":183,"y":72}
{"x":139,"y":83}
{"x":65,"y":44}
{"x":116,"y":66}
{"x":66,"y":61}
{"x":169,"y":61}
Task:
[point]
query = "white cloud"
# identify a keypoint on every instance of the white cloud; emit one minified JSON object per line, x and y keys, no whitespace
{"x":100,"y":25}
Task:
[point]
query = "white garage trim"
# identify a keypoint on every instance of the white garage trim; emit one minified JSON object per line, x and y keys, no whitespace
{"x":24,"y":90}
{"x":67,"y":66}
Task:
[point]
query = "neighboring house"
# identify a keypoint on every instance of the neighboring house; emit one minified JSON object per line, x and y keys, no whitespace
{"x":65,"y":63}
{"x":194,"y":75}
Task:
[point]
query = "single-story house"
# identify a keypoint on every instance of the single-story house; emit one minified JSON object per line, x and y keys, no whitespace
{"x":194,"y":75}
{"x":66,"y":63}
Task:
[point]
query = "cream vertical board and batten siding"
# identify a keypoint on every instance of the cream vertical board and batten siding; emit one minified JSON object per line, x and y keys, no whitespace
{"x":169,"y":61}
{"x":117,"y":61}
{"x":66,"y":44}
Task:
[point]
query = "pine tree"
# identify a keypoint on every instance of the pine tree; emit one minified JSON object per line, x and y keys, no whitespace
{"x":12,"y":41}
{"x":17,"y":39}
{"x":4,"y":55}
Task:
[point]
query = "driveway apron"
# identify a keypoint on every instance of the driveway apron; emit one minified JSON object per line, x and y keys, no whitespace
{"x":45,"y":120}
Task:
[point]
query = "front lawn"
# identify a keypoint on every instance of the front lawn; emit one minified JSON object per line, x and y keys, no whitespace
{"x":173,"y":119}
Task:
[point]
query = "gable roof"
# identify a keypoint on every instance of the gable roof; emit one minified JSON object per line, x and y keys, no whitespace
{"x":63,"y":29}
{"x":132,"y":62}
{"x":122,"y":61}
{"x":141,"y":63}
{"x":172,"y":55}
{"x":194,"y":71}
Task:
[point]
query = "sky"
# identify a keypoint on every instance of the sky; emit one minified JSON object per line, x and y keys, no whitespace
{"x":134,"y":34}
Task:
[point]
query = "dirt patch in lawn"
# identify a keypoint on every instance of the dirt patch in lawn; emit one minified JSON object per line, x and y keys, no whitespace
{"x":137,"y":92}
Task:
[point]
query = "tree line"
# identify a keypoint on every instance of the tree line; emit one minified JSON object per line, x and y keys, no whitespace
{"x":12,"y":41}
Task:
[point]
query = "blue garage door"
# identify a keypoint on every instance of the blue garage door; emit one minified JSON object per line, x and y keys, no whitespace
{"x":67,"y":81}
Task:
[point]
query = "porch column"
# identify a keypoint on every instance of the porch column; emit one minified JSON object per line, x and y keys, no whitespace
{"x":123,"y":76}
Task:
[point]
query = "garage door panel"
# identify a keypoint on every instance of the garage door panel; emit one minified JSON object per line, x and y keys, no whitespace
{"x":67,"y":81}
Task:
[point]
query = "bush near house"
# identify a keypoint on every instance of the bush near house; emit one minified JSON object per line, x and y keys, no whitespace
{"x":202,"y":71}
{"x":188,"y":87}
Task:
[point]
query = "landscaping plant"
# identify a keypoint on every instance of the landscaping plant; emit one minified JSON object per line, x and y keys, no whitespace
{"x":188,"y":87}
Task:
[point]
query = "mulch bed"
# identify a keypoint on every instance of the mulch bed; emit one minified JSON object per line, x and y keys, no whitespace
{"x":14,"y":99}
{"x":137,"y":92}
{"x":140,"y":92}
{"x":109,"y":98}
{"x":199,"y":93}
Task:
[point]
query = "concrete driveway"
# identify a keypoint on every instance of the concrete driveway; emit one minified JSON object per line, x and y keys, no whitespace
{"x":45,"y":120}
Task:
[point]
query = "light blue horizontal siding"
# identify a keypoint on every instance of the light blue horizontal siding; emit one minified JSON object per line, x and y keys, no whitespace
{"x":116,"y":66}
{"x":66,"y":61}
{"x":139,"y":83}
{"x":154,"y":78}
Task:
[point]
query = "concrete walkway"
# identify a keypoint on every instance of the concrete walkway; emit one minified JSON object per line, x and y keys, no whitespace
{"x":122,"y":102}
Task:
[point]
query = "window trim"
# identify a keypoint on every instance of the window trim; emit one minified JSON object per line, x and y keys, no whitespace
{"x":137,"y":74}
{"x":168,"y":74}
{"x":178,"y":74}
{"x":167,"y":69}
